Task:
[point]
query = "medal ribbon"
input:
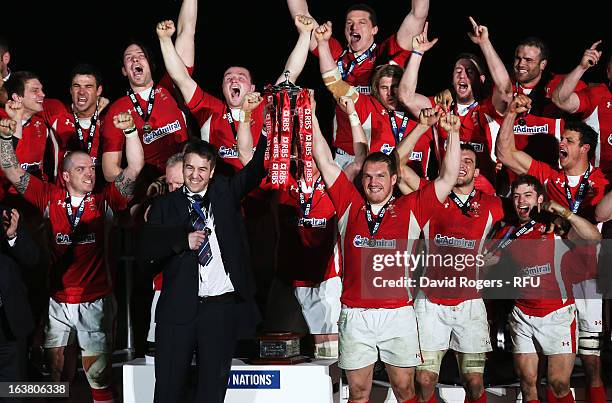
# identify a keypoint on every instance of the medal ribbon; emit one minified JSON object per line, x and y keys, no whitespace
{"x":137,"y":106}
{"x":464,"y":207}
{"x":92,"y":130}
{"x":374,"y":224}
{"x":358,"y":60}
{"x":398,"y":133}
{"x":306,"y":204}
{"x":574,"y":204}
{"x":513,"y":236}
{"x":231,"y":122}
{"x":74,"y":220}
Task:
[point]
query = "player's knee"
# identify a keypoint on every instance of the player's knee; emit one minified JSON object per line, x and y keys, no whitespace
{"x":359,"y":391}
{"x":98,"y":374}
{"x":426,"y":380}
{"x":474,"y":387}
{"x":560,"y":387}
{"x":589,"y":343}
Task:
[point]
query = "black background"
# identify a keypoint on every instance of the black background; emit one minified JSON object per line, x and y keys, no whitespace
{"x":50,"y":38}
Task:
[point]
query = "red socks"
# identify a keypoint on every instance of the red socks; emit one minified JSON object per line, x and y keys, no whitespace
{"x":569,"y":398}
{"x":596,"y":394}
{"x":415,"y":400}
{"x":550,"y":396}
{"x":102,"y":395}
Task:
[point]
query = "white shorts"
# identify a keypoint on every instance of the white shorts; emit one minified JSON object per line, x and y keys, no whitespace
{"x":589,"y":306}
{"x":151,"y":334}
{"x":321,"y":305}
{"x":343,"y":158}
{"x":90,"y":324}
{"x":555,"y":333}
{"x":462,"y":328}
{"x":365,"y":332}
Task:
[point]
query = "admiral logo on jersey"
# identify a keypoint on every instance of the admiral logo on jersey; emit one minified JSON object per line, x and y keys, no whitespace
{"x":158,"y":133}
{"x":536,"y":270}
{"x":524,"y":129}
{"x":312,"y":222}
{"x":365,"y":242}
{"x":452,"y":242}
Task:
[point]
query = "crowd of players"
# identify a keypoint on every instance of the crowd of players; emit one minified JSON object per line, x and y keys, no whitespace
{"x":522,"y":157}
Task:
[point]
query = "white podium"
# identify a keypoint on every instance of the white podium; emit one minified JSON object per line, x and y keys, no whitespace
{"x":301,"y":383}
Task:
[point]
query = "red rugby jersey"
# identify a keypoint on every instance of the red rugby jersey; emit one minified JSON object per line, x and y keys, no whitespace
{"x":596,"y":110}
{"x":451,"y":232}
{"x":79,"y":271}
{"x":213,"y":116}
{"x":363,"y":282}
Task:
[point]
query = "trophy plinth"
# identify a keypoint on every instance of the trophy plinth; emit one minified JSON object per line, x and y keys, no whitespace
{"x":282,"y":348}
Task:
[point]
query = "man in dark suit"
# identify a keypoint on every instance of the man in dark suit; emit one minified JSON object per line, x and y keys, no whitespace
{"x":196,"y":235}
{"x":17,"y":251}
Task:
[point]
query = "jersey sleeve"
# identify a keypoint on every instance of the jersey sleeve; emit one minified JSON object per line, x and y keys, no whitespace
{"x":202,"y":105}
{"x":52,"y":108}
{"x":38,"y":192}
{"x":540,"y":170}
{"x":342,"y":193}
{"x":424,"y":202}
{"x":112,"y":138}
{"x":335,"y":48}
{"x":114,"y":198}
{"x":393,"y":52}
{"x":587,"y":100}
{"x":167,"y":83}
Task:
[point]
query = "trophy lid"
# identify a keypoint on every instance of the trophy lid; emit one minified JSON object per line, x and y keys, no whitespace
{"x":285,"y":85}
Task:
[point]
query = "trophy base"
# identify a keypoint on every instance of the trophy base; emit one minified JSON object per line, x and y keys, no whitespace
{"x":298,"y":359}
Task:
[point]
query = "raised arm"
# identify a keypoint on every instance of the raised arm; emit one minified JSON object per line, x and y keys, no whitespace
{"x":297,"y":59}
{"x":581,"y":229}
{"x":413,"y":23}
{"x":360,"y":142}
{"x":502,"y":95}
{"x":603,"y":211}
{"x":8,"y":160}
{"x":126,"y":179}
{"x":244,"y":141}
{"x":185,"y":32}
{"x":407,"y":88}
{"x":300,"y":7}
{"x":409,"y":180}
{"x":449,"y":171}
{"x":329,"y":71}
{"x":505,"y":148}
{"x":564,"y":96}
{"x":174,"y":65}
{"x":323,"y":155}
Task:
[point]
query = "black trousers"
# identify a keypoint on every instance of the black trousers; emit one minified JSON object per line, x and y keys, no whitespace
{"x":12,"y":357}
{"x":213,"y":334}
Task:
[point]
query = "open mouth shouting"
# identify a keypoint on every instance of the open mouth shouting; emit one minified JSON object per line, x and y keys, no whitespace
{"x":235,"y":92}
{"x":563,"y":154}
{"x":355,"y":37}
{"x":523,"y":210}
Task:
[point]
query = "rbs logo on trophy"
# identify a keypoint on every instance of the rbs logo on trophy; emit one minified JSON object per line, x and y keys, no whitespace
{"x":254,"y":380}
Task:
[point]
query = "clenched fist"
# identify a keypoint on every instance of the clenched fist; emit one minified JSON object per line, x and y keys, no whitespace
{"x":123,"y":121}
{"x":250,"y":101}
{"x":7,"y":128}
{"x":450,"y":123}
{"x":165,"y":29}
{"x":429,"y":117}
{"x":520,"y":104}
{"x":304,"y":23}
{"x":323,"y":32}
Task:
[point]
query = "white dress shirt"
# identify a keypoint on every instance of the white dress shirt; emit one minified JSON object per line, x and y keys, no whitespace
{"x":213,"y":278}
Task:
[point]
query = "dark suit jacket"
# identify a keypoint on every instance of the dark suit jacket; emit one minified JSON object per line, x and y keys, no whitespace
{"x":163,"y":245}
{"x":23,"y":255}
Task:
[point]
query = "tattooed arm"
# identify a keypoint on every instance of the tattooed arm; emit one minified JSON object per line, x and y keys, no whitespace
{"x":126,"y":180}
{"x":8,"y":160}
